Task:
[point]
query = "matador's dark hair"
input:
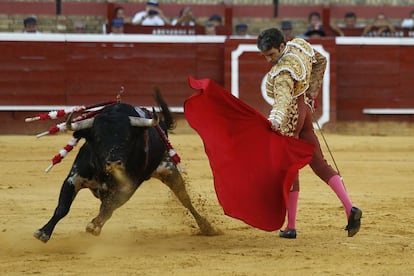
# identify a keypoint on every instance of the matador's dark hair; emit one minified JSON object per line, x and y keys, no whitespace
{"x":270,"y":38}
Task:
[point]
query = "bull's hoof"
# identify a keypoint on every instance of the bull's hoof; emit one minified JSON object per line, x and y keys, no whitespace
{"x":93,"y":229}
{"x":206,"y":229}
{"x":41,"y":236}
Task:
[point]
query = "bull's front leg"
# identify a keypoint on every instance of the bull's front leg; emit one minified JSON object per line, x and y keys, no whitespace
{"x":168,"y":173}
{"x":66,"y":197}
{"x":110,"y":201}
{"x":105,"y":212}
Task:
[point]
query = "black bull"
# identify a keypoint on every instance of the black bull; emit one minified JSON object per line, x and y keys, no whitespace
{"x":122,"y":150}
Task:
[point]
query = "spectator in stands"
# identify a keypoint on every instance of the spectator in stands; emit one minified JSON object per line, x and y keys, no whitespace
{"x":79,"y":27}
{"x":315,"y":28}
{"x":30,"y":25}
{"x":408,"y":22}
{"x":119,"y":13}
{"x":185,"y":18}
{"x":151,"y":16}
{"x":349,"y":22}
{"x":210,"y":28}
{"x":241,"y":30}
{"x":287,"y":29}
{"x":380,"y":27}
{"x":117,"y":26}
{"x":216,"y":19}
{"x":212,"y":23}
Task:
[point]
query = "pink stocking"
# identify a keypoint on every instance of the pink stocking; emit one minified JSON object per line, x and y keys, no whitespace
{"x":338,"y":187}
{"x":292,"y":209}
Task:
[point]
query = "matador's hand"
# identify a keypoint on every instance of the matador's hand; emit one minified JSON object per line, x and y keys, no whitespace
{"x":275,"y":124}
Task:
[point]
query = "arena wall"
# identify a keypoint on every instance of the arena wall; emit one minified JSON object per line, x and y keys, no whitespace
{"x":369,"y":79}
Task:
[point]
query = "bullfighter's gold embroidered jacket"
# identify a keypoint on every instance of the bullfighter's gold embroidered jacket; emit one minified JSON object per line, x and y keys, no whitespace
{"x":298,"y":71}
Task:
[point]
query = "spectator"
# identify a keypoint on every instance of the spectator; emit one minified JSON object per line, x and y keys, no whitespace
{"x":380,"y":27}
{"x":315,"y":26}
{"x":241,"y":29}
{"x":350,"y":20}
{"x":345,"y":28}
{"x":30,"y":25}
{"x":212,"y":23}
{"x":119,"y":13}
{"x":79,"y":27}
{"x":408,"y":22}
{"x":117,"y":26}
{"x":287,"y":29}
{"x":186,"y":18}
{"x":216,"y":19}
{"x":151,"y":16}
{"x":210,"y":28}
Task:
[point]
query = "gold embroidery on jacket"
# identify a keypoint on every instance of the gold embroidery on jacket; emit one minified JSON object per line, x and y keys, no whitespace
{"x":289,"y":78}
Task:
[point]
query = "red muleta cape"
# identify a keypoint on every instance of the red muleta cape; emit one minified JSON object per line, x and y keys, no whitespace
{"x":253,"y":167}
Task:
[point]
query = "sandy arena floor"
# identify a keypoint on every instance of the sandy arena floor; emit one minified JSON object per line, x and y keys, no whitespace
{"x":153,"y":234}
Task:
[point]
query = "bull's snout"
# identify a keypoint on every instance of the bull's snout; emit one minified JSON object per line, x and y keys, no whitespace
{"x":116,"y":169}
{"x":112,"y":166}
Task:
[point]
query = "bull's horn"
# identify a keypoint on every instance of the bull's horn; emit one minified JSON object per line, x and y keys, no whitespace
{"x":87,"y":123}
{"x":144,"y":122}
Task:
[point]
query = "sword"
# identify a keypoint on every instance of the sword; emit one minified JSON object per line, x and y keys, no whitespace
{"x":329,"y":150}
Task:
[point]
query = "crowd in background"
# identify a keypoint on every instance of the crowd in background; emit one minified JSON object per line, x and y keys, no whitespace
{"x":153,"y":15}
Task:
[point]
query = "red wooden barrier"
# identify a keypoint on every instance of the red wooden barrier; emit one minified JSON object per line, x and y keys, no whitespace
{"x":66,"y":70}
{"x":374,"y":73}
{"x":85,"y":69}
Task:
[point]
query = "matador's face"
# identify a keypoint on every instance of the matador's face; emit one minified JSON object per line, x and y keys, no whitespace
{"x":273,"y":54}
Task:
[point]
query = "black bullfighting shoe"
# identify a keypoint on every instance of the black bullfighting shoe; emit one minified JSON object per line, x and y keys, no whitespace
{"x":288,"y":234}
{"x":354,"y":221}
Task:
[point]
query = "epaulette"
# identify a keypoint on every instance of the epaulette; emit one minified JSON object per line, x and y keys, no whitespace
{"x":292,"y":64}
{"x":303,"y":45}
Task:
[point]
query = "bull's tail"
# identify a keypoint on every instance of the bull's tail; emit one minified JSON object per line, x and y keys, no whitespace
{"x":168,"y":117}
